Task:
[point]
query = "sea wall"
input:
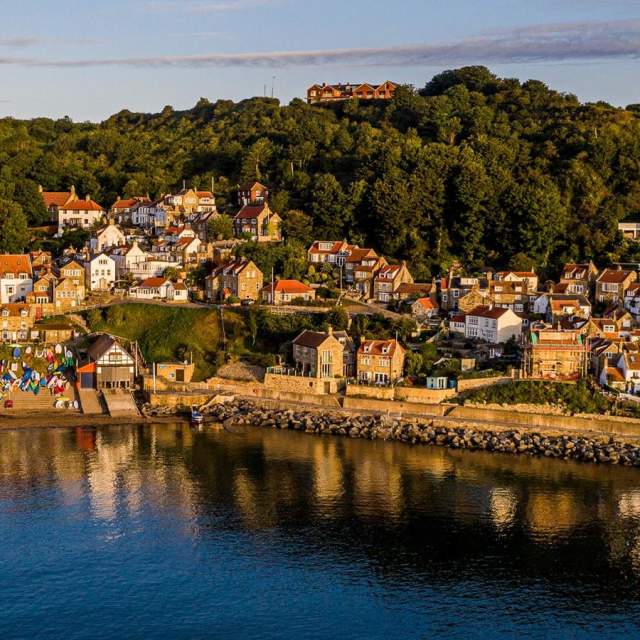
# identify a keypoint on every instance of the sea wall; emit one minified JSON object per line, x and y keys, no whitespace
{"x":567,"y":446}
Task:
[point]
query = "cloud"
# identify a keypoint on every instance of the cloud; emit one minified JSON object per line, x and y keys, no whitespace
{"x":576,"y":41}
{"x":221,"y":6}
{"x":26,"y":41}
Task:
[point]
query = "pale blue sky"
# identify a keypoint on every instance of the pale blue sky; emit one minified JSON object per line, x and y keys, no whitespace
{"x":89,"y":59}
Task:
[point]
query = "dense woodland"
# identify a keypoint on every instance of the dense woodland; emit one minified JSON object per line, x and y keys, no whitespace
{"x":490,"y":171}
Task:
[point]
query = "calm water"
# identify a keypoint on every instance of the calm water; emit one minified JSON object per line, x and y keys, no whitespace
{"x":155,"y":532}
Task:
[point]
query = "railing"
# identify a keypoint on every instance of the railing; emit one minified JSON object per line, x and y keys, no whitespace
{"x":289,"y":371}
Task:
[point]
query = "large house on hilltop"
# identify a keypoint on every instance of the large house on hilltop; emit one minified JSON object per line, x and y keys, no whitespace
{"x":334,"y":92}
{"x":79,"y":214}
{"x":53,"y":200}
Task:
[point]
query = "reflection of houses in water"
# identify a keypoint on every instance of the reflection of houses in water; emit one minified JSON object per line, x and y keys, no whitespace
{"x":554,"y":514}
{"x":328,"y":473}
{"x":502,"y":507}
{"x":377,"y":487}
{"x":629,"y":504}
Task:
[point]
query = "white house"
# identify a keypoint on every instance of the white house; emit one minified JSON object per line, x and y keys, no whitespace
{"x":79,"y":214}
{"x":457,"y":323}
{"x":629,"y":365}
{"x":554,"y":305}
{"x":107,"y":237}
{"x":178,"y":292}
{"x":15,"y":277}
{"x":151,"y":289}
{"x":150,"y":215}
{"x":100,"y":273}
{"x":493,"y":324}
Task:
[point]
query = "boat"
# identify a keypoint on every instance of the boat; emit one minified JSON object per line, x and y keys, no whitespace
{"x":196,"y":417}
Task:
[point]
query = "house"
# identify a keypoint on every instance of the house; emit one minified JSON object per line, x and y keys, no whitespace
{"x":612,"y":284}
{"x":357,"y":257}
{"x":42,"y":293}
{"x":632,"y":298}
{"x":15,"y":277}
{"x":122,"y":208}
{"x":424,"y":309}
{"x":630,"y":230}
{"x":512,"y":294}
{"x":578,"y":277}
{"x":363,"y":276}
{"x":108,"y":366}
{"x":151,"y":215}
{"x":186,"y":249}
{"x":258,"y":222}
{"x":16,"y":321}
{"x":286,"y":292}
{"x":67,"y":294}
{"x":107,"y":237}
{"x":100,"y":273}
{"x":457,"y":323}
{"x":555,"y":354}
{"x":380,"y":361}
{"x":493,"y":324}
{"x":41,"y":261}
{"x":175,"y":371}
{"x":52,"y":333}
{"x":555,"y":306}
{"x":463,"y":292}
{"x":413,"y":290}
{"x":189,"y":201}
{"x":528,"y":278}
{"x":389,"y":279}
{"x":252,"y":193}
{"x":318,"y":354}
{"x":178,"y":292}
{"x":81,"y":214}
{"x":74,"y":271}
{"x":629,"y":365}
{"x":348,"y":353}
{"x":53,"y":200}
{"x":329,"y":251}
{"x":334,"y":92}
{"x":151,"y":289}
{"x":240,"y":278}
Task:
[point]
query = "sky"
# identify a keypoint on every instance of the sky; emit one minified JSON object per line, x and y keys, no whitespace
{"x":87,"y":59}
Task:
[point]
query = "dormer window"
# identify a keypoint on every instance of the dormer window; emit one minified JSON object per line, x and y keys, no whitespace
{"x":5,"y":313}
{"x":367,"y":348}
{"x":9,"y":276}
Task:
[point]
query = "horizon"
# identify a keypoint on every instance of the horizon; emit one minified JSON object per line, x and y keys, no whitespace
{"x":141,"y":55}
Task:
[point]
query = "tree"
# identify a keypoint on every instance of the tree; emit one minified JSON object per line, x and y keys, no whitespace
{"x":27,"y":195}
{"x":14,"y":234}
{"x":220,"y":228}
{"x":297,"y":225}
{"x":171,"y":273}
{"x":329,"y":207}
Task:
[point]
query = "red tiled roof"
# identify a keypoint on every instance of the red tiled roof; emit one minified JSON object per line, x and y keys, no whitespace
{"x":336,"y":246}
{"x":15,"y":264}
{"x":288,"y":286}
{"x":614,"y":275}
{"x":250,"y":211}
{"x":375,"y":347}
{"x":153,"y":283}
{"x":488,"y":312}
{"x":55,"y":198}
{"x":427,"y":303}
{"x":82,"y":205}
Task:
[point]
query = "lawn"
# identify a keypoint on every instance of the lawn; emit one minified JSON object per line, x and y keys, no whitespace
{"x":165,"y":333}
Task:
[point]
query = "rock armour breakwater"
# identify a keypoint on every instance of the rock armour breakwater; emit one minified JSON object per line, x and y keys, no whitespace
{"x":605,"y":450}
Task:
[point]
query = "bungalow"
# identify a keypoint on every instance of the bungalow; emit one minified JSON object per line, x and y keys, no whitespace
{"x":151,"y":289}
{"x":286,"y":292}
{"x":79,"y":214}
{"x":380,"y":361}
{"x":612,"y":284}
{"x":258,"y":222}
{"x":493,"y":324}
{"x":178,"y":292}
{"x":389,"y":279}
{"x":15,"y":277}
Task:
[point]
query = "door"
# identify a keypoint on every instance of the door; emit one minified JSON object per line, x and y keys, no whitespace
{"x":88,"y":380}
{"x":179,"y":375}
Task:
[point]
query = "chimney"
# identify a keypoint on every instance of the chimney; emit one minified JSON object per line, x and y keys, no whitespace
{"x":330,"y":330}
{"x":88,"y":197}
{"x":40,"y":189}
{"x":72,"y":190}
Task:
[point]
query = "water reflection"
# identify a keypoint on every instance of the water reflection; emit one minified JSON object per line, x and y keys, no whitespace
{"x":388,"y":514}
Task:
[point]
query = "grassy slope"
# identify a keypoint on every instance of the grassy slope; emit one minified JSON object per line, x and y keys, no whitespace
{"x":162,"y":332}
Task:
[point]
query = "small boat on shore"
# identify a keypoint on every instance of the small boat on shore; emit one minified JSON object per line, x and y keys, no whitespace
{"x":196,"y":417}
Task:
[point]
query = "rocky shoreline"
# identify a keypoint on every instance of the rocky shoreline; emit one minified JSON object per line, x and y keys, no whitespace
{"x":601,"y":450}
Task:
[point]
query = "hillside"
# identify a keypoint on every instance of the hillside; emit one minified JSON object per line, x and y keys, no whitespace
{"x":487,"y":170}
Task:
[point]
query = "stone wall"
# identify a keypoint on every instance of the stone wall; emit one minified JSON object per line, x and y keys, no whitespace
{"x":384,"y":406}
{"x":478,"y":383}
{"x":403,"y":394}
{"x":365,"y":391}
